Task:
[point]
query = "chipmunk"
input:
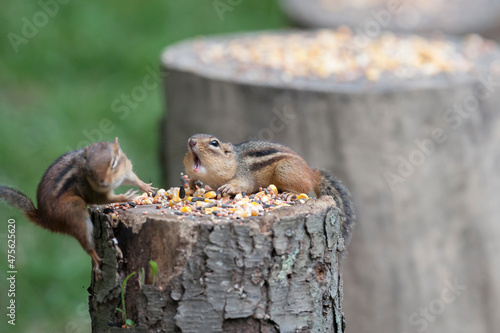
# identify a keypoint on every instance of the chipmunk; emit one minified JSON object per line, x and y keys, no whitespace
{"x":78,"y":178}
{"x":247,"y":166}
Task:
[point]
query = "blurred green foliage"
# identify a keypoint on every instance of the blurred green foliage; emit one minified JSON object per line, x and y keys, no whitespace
{"x":61,"y":82}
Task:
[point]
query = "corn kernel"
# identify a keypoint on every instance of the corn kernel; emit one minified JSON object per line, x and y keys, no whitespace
{"x":243,"y":201}
{"x":210,"y":195}
{"x":209,"y":210}
{"x":302,"y":196}
{"x":259,"y":195}
{"x":176,"y":197}
{"x":274,"y":189}
{"x":265,"y":198}
{"x":199,"y":193}
{"x":186,"y":209}
{"x":257,"y":206}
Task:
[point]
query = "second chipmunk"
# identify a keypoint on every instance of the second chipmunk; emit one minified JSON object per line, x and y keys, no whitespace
{"x":76,"y":179}
{"x":246,"y":166}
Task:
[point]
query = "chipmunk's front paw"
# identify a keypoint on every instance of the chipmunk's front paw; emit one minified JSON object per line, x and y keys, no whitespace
{"x":130,"y":195}
{"x":148,"y":188}
{"x":229,"y":189}
{"x":289,"y":196}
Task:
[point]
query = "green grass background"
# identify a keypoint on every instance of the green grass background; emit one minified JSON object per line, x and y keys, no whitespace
{"x":62,"y":82}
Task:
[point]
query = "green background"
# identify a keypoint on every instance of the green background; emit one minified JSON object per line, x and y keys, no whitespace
{"x":61,"y":82}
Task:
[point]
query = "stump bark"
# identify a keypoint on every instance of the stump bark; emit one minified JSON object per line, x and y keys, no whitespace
{"x":421,"y":158}
{"x":275,"y":273}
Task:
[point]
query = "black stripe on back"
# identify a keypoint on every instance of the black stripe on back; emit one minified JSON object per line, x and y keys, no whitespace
{"x":260,"y":165}
{"x":63,"y":172}
{"x":67,"y":184}
{"x":260,"y":153}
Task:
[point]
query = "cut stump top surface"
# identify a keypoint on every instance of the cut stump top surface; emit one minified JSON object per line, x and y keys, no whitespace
{"x":228,"y":58}
{"x":135,"y":217}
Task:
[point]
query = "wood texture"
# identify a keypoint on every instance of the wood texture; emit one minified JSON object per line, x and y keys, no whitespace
{"x":277,"y":273}
{"x":438,"y":222}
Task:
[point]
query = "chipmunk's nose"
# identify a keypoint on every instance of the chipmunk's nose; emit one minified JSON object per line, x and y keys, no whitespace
{"x":192,"y":142}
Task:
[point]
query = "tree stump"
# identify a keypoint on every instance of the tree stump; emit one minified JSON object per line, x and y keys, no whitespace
{"x":372,"y":17}
{"x":275,"y":273}
{"x":421,"y":157}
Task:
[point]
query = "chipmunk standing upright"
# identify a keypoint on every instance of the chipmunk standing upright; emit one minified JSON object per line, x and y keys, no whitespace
{"x":77,"y":178}
{"x":246,"y":166}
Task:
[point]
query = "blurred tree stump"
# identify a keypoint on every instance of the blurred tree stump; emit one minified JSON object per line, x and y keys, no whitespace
{"x":372,"y":17}
{"x":421,"y":157}
{"x":275,"y":273}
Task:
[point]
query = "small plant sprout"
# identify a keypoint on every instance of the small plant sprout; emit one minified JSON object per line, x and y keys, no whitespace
{"x":154,"y":270}
{"x":129,"y":323}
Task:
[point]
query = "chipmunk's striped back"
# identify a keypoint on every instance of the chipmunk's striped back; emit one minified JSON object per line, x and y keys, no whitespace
{"x":260,"y":154}
{"x":60,"y":177}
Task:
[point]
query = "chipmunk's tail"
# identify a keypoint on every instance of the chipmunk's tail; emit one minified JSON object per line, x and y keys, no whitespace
{"x":19,"y":200}
{"x":328,"y":184}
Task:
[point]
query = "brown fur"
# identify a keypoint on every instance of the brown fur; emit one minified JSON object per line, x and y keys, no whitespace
{"x":246,"y":166}
{"x":74,"y":180}
{"x":328,"y":184}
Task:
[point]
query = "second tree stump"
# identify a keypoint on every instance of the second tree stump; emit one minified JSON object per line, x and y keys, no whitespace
{"x":418,"y":149}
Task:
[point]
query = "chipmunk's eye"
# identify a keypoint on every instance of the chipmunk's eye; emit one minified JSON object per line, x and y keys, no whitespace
{"x":214,"y":143}
{"x":114,"y":162}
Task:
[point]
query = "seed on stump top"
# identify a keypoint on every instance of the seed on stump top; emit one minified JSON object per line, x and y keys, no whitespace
{"x":218,"y":207}
{"x":334,"y":58}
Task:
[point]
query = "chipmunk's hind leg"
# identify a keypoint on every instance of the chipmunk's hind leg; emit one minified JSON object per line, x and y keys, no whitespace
{"x":97,"y":263}
{"x":77,"y":223}
{"x":293,"y":175}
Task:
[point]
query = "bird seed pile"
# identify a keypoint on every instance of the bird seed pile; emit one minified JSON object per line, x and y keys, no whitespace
{"x":342,"y":55}
{"x":204,"y":201}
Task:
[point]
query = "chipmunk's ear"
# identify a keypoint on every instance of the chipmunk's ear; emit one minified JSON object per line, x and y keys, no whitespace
{"x":116,"y":146}
{"x":228,"y":148}
{"x":86,"y":152}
